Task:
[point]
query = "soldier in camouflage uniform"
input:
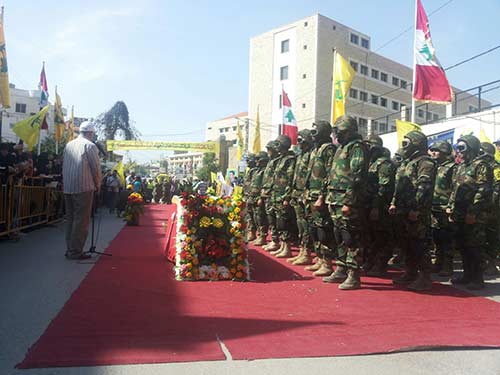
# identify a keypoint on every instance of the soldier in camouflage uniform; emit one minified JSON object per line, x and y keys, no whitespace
{"x":469,"y":206}
{"x":492,"y":229}
{"x":413,"y":200}
{"x":305,"y":142}
{"x":282,"y":194}
{"x":259,"y":211}
{"x":442,"y":229}
{"x":346,"y":194}
{"x":317,"y":215}
{"x":380,"y":189}
{"x":250,"y":204}
{"x":265,"y":195}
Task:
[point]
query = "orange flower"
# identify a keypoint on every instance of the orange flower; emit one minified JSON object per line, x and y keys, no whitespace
{"x":239,"y":274}
{"x":189,"y":274}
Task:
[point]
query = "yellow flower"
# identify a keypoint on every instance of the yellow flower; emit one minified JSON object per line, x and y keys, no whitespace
{"x":237,"y":210}
{"x":189,"y":275}
{"x":220,"y":202}
{"x":205,"y":222}
{"x":190,"y":265}
{"x":218,"y":223}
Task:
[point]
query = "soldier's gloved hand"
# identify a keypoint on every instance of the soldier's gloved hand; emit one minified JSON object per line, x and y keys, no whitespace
{"x":285,"y":203}
{"x":374,"y":214}
{"x":413,"y":215}
{"x":346,"y":210}
{"x":259,"y":202}
{"x":319,"y":202}
{"x":392,"y":209}
{"x":470,"y":219}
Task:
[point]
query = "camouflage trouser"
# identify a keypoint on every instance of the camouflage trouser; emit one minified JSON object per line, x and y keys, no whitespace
{"x":347,"y":231}
{"x":415,"y":243}
{"x":492,"y":248}
{"x":321,"y":230}
{"x":283,"y":216}
{"x":471,"y":242}
{"x":302,"y":225}
{"x":250,"y":216}
{"x":442,"y":234}
{"x":260,"y":218}
{"x":377,"y":238}
{"x":271,"y":219}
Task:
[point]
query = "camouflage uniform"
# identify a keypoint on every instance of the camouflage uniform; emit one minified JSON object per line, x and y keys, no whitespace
{"x":413,"y":200}
{"x":469,"y":206}
{"x":267,"y":186}
{"x":259,"y":211}
{"x":380,"y":189}
{"x":346,"y":188}
{"x":298,"y":191}
{"x":250,"y":204}
{"x":442,"y":229}
{"x":317,"y":216}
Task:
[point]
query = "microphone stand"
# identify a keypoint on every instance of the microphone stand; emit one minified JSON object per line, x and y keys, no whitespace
{"x":93,"y":240}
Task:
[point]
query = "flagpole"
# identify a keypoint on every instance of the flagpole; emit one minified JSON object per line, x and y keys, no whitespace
{"x":40,"y":128}
{"x":333,"y":87}
{"x":280,"y":130}
{"x":56,"y":131}
{"x":414,"y":66}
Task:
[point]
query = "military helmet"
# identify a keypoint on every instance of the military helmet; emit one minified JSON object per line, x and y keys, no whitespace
{"x":273,"y":145}
{"x":262,"y":155}
{"x":251,"y":157}
{"x":304,"y":136}
{"x":488,"y":148}
{"x":284,"y":141}
{"x":346,"y":123}
{"x":472,"y":142}
{"x":417,"y":139}
{"x":375,"y":140}
{"x":321,"y":129}
{"x":442,"y":146}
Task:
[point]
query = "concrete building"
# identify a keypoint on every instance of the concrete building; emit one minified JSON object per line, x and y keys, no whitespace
{"x":226,"y":126}
{"x":298,"y":58}
{"x":184,"y":165}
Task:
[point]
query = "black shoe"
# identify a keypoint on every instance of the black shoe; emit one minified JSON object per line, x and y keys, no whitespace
{"x":405,"y":278}
{"x":79,"y":256}
{"x":462,"y":280}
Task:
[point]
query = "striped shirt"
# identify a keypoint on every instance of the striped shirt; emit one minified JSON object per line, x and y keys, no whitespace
{"x":81,"y":166}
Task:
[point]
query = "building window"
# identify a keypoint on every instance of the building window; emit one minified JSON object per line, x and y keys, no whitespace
{"x":364,"y":70}
{"x":363,"y":126}
{"x":221,"y":130}
{"x":429,"y":116}
{"x":383,"y":77}
{"x":471,"y":108}
{"x":395,"y":106}
{"x":375,"y":73}
{"x":305,"y":46}
{"x":403,"y":84}
{"x":20,"y":108}
{"x":383,"y":128}
{"x":234,"y":128}
{"x":285,"y":46}
{"x":334,"y":27}
{"x":393,"y":128}
{"x":395,"y":81}
{"x":363,"y":96}
{"x":353,"y":93}
{"x":374,"y":99}
{"x":304,"y":76}
{"x":303,"y":105}
{"x":354,"y":65}
{"x":354,"y":39}
{"x":305,"y":24}
{"x":284,"y":73}
{"x":365,"y":43}
{"x":420,"y":113}
{"x":435,"y":117}
{"x":383,"y":102}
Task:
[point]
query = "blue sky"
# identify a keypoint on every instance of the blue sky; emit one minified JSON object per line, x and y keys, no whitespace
{"x":178,"y":64}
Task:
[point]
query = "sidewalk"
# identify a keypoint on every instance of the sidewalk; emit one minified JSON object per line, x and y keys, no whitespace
{"x":37,"y":280}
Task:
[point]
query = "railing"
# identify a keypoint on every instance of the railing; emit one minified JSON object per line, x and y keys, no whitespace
{"x":28,"y":204}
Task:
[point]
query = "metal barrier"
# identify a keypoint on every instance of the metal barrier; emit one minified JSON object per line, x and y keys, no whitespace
{"x":24,"y":206}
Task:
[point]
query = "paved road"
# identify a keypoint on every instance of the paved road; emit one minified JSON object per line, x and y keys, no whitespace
{"x":36,"y":281}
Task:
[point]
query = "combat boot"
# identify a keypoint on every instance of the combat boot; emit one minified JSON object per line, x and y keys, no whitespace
{"x":250,"y":235}
{"x":407,"y":277}
{"x":338,"y":276}
{"x":422,"y":283}
{"x":260,"y":241}
{"x":279,"y":248}
{"x":446,"y":270}
{"x":303,"y":259}
{"x":293,"y":259}
{"x":352,"y":282}
{"x":271,"y":246}
{"x":378,"y":270}
{"x":490,"y":269}
{"x":285,"y":252}
{"x":325,"y":269}
{"x":315,"y":266}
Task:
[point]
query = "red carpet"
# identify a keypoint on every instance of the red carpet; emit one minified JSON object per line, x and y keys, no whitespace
{"x":129,"y":309}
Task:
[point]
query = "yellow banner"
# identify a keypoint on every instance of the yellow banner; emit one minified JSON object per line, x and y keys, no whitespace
{"x":4,"y":72}
{"x":343,"y":74}
{"x":160,"y":145}
{"x":403,"y":128}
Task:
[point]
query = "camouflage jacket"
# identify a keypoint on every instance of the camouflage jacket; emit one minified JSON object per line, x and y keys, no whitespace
{"x":348,"y":175}
{"x":248,"y":181}
{"x":415,"y":185}
{"x":320,"y":163}
{"x":443,"y":185}
{"x":283,"y":178}
{"x":300,"y":174}
{"x":255,"y":185}
{"x":472,"y":192}
{"x":268,"y":177}
{"x":380,"y":185}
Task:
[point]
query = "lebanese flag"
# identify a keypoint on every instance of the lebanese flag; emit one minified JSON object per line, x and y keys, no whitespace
{"x":289,"y":122}
{"x":44,"y":95}
{"x":431,"y":84}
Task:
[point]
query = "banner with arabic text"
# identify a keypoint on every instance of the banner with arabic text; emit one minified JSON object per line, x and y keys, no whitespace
{"x":161,"y":145}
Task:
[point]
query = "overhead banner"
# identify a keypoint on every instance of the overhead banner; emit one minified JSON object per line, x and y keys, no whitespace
{"x":160,"y":145}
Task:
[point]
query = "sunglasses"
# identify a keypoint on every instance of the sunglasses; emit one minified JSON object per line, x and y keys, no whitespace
{"x":462,"y":147}
{"x":406,"y":143}
{"x":300,"y":140}
{"x":314,"y":132}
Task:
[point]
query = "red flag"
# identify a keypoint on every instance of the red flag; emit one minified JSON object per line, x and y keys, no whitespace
{"x":289,"y":122}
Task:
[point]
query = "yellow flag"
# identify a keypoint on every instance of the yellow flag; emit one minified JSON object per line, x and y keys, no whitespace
{"x":343,"y":74}
{"x":58,"y":119}
{"x":239,"y":135}
{"x":484,"y":138}
{"x":256,"y":138}
{"x":403,"y":128}
{"x":4,"y":72}
{"x":29,"y":129}
{"x":118,"y":167}
{"x":213,"y":177}
{"x":70,"y":133}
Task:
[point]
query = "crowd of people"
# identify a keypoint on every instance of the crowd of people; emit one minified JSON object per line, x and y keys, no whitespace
{"x":353,"y":206}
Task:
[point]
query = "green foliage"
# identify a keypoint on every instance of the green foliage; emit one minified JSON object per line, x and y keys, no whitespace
{"x":114,"y":121}
{"x":49,"y":144}
{"x":209,"y":164}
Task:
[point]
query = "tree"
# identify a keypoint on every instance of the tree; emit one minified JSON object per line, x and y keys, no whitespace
{"x":209,"y":164}
{"x":116,"y":121}
{"x":48,"y":144}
